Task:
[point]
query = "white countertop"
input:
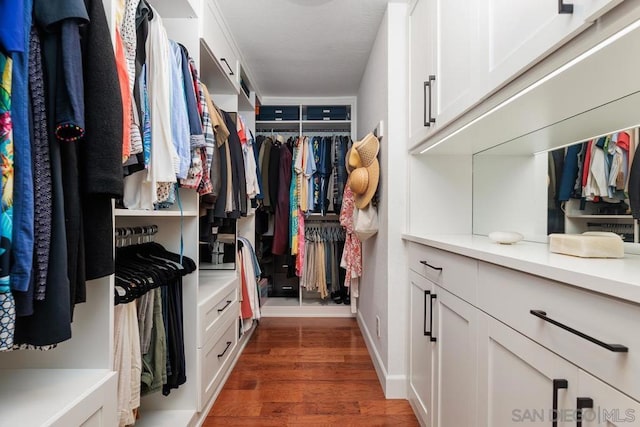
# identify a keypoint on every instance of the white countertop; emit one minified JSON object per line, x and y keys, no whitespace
{"x":615,"y":277}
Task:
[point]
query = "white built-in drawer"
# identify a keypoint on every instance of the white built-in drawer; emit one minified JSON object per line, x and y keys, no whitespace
{"x":455,"y":273}
{"x":510,"y":296}
{"x":213,"y":309}
{"x":212,"y":357}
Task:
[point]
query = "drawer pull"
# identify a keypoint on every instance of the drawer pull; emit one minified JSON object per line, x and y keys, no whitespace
{"x":220,"y":310}
{"x":432,"y":338}
{"x":424,"y":316}
{"x":582,"y":403}
{"x":225,"y":349}
{"x":557,"y":385}
{"x":564,"y":7}
{"x":430,"y":266}
{"x":228,"y":66}
{"x":616,"y":348}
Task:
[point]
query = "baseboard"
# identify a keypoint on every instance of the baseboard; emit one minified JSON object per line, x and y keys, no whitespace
{"x":394,"y":386}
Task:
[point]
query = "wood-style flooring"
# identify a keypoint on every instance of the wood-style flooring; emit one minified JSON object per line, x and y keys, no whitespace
{"x":305,"y":372}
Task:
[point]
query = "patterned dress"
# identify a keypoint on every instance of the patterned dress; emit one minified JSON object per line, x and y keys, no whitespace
{"x":352,"y":255}
{"x":7,"y":303}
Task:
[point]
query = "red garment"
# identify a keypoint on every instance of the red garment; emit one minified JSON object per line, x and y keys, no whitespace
{"x":587,"y":164}
{"x":283,"y":214}
{"x":245,"y":304}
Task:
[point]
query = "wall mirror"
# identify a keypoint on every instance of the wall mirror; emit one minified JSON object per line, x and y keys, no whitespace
{"x":514,"y":147}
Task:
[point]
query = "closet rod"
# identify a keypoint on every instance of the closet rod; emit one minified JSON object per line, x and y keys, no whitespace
{"x":124,"y":235}
{"x":322,"y":218}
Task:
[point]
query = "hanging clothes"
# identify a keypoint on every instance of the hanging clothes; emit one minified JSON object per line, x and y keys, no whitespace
{"x":352,"y":254}
{"x":282,"y":213}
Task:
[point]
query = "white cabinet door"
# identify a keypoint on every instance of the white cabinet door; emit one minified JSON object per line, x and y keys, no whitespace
{"x":516,"y":35}
{"x":421,"y":65}
{"x":455,"y":332}
{"x":215,"y":36}
{"x":456,"y":81}
{"x":610,"y":407}
{"x":521,"y":382}
{"x":421,"y":348}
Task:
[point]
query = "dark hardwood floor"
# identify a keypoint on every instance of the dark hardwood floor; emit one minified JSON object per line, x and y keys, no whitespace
{"x":306,"y":371}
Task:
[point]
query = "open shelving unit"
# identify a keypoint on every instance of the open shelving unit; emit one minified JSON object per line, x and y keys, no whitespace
{"x":307,"y":304}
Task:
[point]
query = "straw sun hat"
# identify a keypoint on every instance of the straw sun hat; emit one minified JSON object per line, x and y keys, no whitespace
{"x":364,"y":169}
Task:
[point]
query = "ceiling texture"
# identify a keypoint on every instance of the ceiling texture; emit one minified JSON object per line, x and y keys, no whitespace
{"x":308,"y":48}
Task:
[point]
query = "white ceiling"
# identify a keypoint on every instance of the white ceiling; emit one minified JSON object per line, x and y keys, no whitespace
{"x":304,"y":47}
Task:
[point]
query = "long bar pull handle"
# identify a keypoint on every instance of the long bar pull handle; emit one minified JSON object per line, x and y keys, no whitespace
{"x":433,"y":296}
{"x":432,"y":78}
{"x":582,"y":403}
{"x":220,"y":310}
{"x":424,"y":317}
{"x":425,"y":263}
{"x":228,"y":66}
{"x":564,"y":7}
{"x":225,"y":349}
{"x":616,"y":348}
{"x":557,"y":385}
{"x":427,"y":84}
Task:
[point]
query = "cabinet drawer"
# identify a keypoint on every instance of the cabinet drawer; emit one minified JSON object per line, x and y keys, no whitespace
{"x":211,"y":311}
{"x":211,"y":359}
{"x":455,"y":273}
{"x":510,"y":296}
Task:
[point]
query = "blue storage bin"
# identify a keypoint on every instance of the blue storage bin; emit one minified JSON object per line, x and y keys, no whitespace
{"x":278,"y":112}
{"x":327,"y":112}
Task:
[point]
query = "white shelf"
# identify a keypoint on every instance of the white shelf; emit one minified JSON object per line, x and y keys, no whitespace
{"x":212,"y":282}
{"x":340,"y":125}
{"x":278,"y":125}
{"x":169,"y":418}
{"x":282,"y":302}
{"x":51,"y":392}
{"x":177,"y":8}
{"x":291,"y":307}
{"x":244,"y":103}
{"x":159,"y":213}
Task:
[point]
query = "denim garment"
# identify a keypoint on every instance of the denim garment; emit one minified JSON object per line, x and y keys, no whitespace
{"x":193,"y":113}
{"x":315,"y":149}
{"x":325,"y":170}
{"x":310,"y":172}
{"x":23,"y":201}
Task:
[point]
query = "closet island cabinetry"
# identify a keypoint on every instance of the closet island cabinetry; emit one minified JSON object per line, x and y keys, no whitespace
{"x":528,"y":346}
{"x":443,"y":333}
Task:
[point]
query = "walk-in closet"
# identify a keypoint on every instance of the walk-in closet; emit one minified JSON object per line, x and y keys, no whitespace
{"x":319,"y":212}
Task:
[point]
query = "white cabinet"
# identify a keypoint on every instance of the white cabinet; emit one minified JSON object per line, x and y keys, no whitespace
{"x":527,"y":350}
{"x":517,"y":35}
{"x":442,"y":345}
{"x":421,"y":348}
{"x":421,"y":69}
{"x":454,"y":333}
{"x":519,"y":380}
{"x":461,"y":51}
{"x":610,"y":407}
{"x":218,"y":44}
{"x":443,"y":56}
{"x":458,"y":54}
